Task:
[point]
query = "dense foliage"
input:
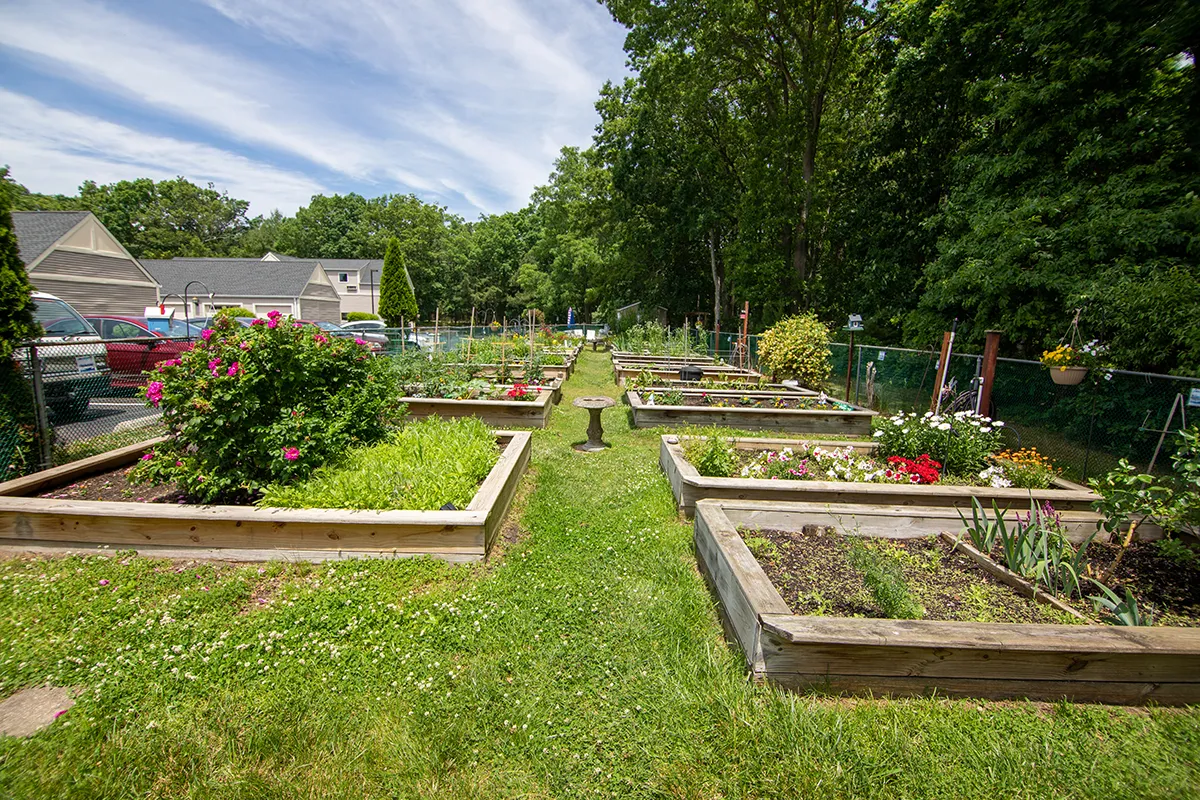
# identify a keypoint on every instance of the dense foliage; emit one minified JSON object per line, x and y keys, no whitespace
{"x":796,"y":347}
{"x":914,"y":161}
{"x":424,"y":466}
{"x":16,"y":305}
{"x":249,"y":407}
{"x":396,"y":301}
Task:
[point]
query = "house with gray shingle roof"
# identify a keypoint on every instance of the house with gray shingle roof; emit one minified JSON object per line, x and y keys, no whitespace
{"x":70,"y":254}
{"x":356,"y":280}
{"x":298,"y":287}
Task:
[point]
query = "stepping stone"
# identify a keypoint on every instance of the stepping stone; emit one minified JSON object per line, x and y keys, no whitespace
{"x":30,"y":710}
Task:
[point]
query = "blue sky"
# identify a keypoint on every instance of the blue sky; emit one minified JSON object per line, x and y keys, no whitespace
{"x":464,"y":103}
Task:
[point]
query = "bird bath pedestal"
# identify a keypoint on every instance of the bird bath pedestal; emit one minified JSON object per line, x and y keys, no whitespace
{"x":594,"y":405}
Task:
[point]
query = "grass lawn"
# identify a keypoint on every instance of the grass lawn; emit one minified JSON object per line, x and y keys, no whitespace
{"x":585,"y":660}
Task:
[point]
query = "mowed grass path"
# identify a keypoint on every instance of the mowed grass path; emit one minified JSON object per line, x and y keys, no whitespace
{"x":586,"y":660}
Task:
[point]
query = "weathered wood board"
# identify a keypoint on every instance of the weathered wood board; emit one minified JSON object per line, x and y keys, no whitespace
{"x":497,"y":413}
{"x":454,"y":535}
{"x":856,"y":422}
{"x":689,"y":486}
{"x":1084,"y":663}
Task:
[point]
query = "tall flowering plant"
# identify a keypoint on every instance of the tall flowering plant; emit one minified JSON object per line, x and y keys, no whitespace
{"x":249,"y":407}
{"x":961,"y":442}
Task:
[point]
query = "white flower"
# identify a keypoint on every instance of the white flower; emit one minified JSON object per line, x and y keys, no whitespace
{"x":877,"y":434}
{"x":998,"y":423}
{"x":945,"y":426}
{"x":928,"y":414}
{"x":985,"y":430}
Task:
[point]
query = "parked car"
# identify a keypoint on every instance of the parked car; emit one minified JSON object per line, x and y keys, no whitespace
{"x":376,"y":327}
{"x":73,"y":357}
{"x":375,"y":342}
{"x":364,"y":325}
{"x":133,"y":348}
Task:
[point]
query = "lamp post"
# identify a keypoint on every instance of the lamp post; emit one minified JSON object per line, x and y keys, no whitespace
{"x":187,"y":311}
{"x":371,"y":287}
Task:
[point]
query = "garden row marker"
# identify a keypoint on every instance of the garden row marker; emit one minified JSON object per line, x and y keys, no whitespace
{"x":935,"y":405}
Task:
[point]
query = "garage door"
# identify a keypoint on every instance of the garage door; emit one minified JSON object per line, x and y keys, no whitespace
{"x":262,"y":309}
{"x":321,"y":310}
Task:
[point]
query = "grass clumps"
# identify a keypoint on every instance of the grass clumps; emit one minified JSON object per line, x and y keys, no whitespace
{"x":884,"y":579}
{"x":423,"y":467}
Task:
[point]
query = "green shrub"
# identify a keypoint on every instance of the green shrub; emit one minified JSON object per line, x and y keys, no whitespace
{"x":423,"y":467}
{"x":359,"y":316}
{"x":711,"y":454}
{"x":233,"y":312}
{"x":884,"y":579}
{"x":797,"y":347}
{"x":248,"y":407}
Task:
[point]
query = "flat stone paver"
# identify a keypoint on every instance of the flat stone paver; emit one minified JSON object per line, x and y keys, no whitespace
{"x":30,"y":710}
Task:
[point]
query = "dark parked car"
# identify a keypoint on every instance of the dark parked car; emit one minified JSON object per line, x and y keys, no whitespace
{"x":133,"y":348}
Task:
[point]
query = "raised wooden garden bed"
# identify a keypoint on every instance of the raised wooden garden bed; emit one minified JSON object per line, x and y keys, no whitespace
{"x":623,"y":372}
{"x":626,"y":357}
{"x":246,"y":533}
{"x":1089,"y":663}
{"x":854,"y":422}
{"x":497,"y":413}
{"x":689,"y":487}
{"x":555,"y":372}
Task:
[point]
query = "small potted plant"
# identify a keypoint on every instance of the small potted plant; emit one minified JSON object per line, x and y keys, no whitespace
{"x":1070,"y":364}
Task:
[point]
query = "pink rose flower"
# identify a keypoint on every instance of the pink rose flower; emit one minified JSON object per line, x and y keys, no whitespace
{"x":214,"y":363}
{"x":319,"y":339}
{"x":272,"y":322}
{"x":274,"y":315}
{"x":359,"y":341}
{"x":259,"y":322}
{"x":234,"y":369}
{"x":244,"y":345}
{"x":154,"y":392}
{"x":291,"y":453}
{"x":206,"y":334}
{"x":148,"y":456}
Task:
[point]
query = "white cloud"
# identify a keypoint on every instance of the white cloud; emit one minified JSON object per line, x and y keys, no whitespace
{"x":454,"y":99}
{"x":52,"y":150}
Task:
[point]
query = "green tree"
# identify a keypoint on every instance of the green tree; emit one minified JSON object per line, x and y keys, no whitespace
{"x":16,"y":304}
{"x":396,"y":298}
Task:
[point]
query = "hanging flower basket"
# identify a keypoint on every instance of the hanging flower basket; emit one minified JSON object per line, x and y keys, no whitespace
{"x":1068,"y":376}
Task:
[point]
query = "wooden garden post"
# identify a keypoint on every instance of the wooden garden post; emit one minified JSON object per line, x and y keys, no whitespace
{"x":991,"y":349}
{"x":943,"y":365}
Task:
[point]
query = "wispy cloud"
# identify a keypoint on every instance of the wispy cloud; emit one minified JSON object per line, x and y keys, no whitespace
{"x":52,"y":148}
{"x":465,"y":102}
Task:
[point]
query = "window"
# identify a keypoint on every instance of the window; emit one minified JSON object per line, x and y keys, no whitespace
{"x":351,"y":290}
{"x":119,"y":329}
{"x":343,"y":277}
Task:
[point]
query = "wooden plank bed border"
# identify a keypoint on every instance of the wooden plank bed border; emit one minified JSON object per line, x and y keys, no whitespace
{"x":1084,"y":663}
{"x":497,"y":413}
{"x":856,"y":422}
{"x":689,"y":486}
{"x":265,"y":532}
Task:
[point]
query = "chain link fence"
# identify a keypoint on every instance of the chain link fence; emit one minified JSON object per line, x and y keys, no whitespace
{"x":62,"y":401}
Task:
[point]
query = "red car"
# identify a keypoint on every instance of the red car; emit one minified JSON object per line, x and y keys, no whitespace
{"x":129,"y":359}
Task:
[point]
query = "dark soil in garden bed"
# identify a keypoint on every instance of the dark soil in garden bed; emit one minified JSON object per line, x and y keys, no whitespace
{"x":115,"y":486}
{"x":812,"y":572}
{"x":1168,"y":588}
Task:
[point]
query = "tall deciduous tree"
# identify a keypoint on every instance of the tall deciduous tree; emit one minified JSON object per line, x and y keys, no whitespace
{"x":396,"y":298}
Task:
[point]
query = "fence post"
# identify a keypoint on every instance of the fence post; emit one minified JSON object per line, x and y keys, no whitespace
{"x":943,"y":367}
{"x":39,"y":410}
{"x":991,"y":349}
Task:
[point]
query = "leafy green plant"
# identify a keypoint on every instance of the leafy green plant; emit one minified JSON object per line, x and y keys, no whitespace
{"x":884,"y":579}
{"x":233,"y":312}
{"x":711,"y":454}
{"x":1121,"y":610}
{"x":797,"y":347}
{"x":1177,"y":551}
{"x":651,"y":338}
{"x":761,"y":548}
{"x":361,"y":316}
{"x":248,"y":407}
{"x":1035,"y":547}
{"x":426,"y":465}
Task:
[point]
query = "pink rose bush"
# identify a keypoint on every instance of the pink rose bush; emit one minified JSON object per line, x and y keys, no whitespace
{"x":249,"y":407}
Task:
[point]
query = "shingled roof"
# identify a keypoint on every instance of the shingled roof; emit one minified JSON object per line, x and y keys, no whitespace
{"x":244,"y":277}
{"x":37,"y":231}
